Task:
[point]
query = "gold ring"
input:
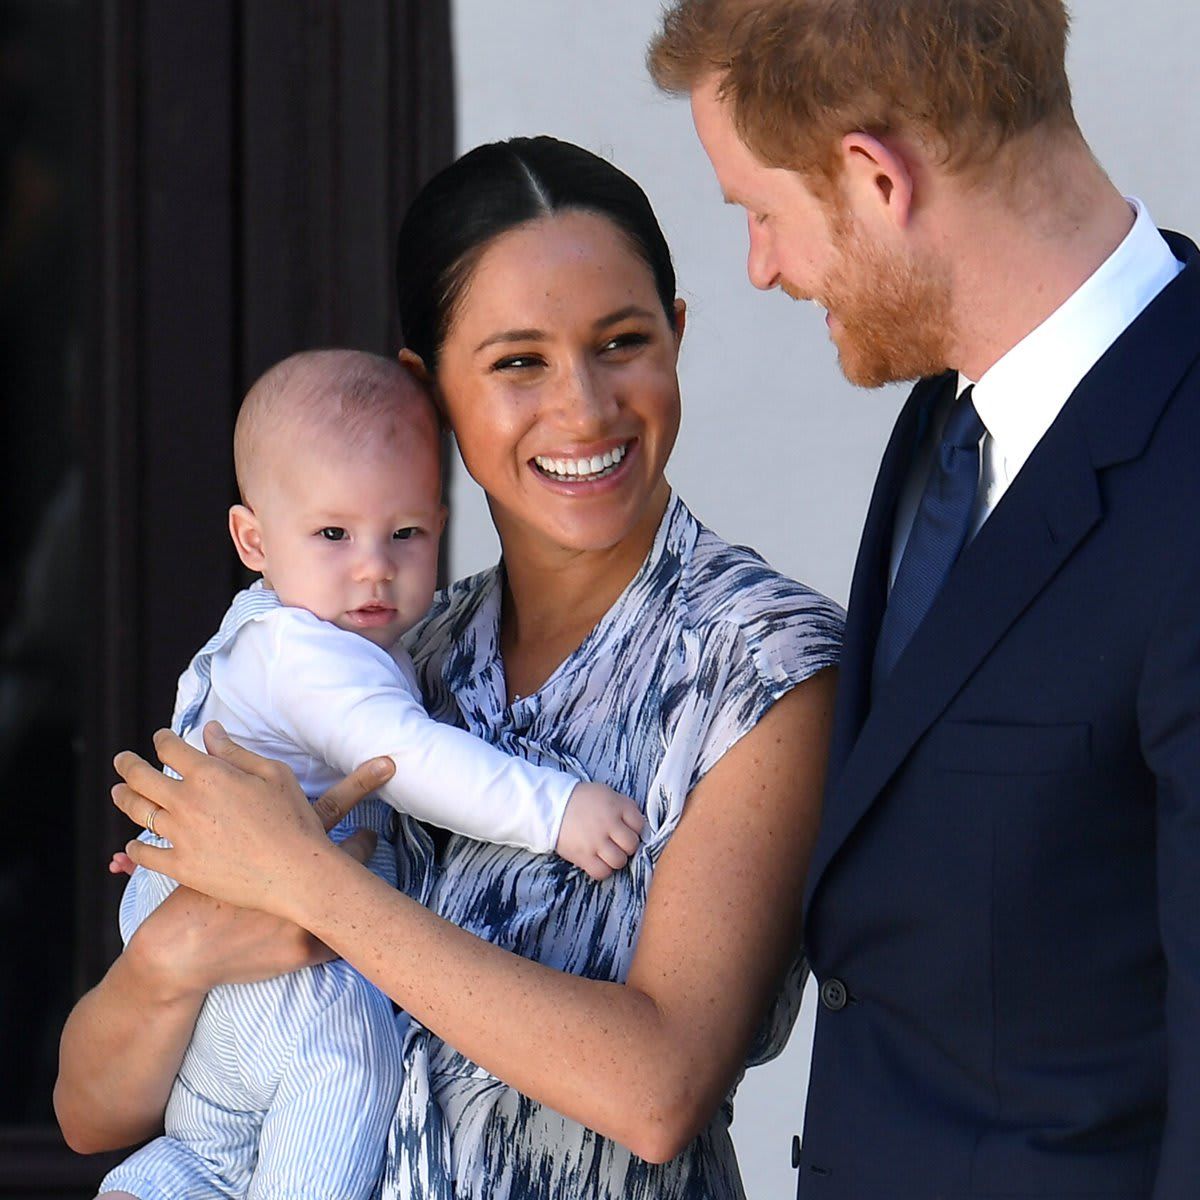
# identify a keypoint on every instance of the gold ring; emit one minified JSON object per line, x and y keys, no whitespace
{"x":149,"y":822}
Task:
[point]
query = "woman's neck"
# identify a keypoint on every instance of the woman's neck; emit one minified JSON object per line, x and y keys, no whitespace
{"x":554,"y":596}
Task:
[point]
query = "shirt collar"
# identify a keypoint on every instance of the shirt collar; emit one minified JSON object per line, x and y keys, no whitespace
{"x":1019,"y":397}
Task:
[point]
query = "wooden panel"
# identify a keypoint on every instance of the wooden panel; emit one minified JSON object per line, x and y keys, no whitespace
{"x":345,"y":110}
{"x":188,"y":337}
{"x":285,"y":160}
{"x":251,"y":159}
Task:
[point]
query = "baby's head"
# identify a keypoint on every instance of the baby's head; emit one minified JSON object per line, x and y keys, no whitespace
{"x":339,"y":468}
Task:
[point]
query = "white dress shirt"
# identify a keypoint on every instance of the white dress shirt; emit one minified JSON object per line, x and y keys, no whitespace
{"x":1021,"y":394}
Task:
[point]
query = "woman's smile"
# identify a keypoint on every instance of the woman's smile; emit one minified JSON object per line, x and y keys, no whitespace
{"x":584,"y":467}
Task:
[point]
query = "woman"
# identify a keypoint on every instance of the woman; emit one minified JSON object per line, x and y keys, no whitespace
{"x":619,"y":637}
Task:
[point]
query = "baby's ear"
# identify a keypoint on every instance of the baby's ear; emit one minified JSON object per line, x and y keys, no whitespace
{"x":415,"y":365}
{"x":247,"y":537}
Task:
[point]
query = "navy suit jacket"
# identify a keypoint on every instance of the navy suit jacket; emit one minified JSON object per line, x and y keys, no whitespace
{"x":1003,"y":907}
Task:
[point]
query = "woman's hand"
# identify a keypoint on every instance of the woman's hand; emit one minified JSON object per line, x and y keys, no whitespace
{"x":192,"y":943}
{"x":231,"y":795}
{"x":125,"y":1039}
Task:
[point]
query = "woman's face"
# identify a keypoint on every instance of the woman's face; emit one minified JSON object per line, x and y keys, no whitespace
{"x":558,"y":379}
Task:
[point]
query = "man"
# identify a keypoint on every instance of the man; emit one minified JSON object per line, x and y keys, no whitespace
{"x":1003,"y":908}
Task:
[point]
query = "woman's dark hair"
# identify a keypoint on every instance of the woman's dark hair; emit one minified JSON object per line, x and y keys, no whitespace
{"x":495,"y":188}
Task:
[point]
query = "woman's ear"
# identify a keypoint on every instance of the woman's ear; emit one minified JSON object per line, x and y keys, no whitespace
{"x":246,"y":533}
{"x":680,"y":319}
{"x":414,"y":363}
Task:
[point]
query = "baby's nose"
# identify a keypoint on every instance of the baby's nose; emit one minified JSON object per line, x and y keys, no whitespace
{"x":376,"y":565}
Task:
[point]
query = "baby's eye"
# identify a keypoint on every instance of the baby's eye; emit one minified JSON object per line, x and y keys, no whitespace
{"x":332,"y":533}
{"x":402,"y":535}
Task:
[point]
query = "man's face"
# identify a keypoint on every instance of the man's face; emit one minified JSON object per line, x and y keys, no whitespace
{"x":887,"y":313}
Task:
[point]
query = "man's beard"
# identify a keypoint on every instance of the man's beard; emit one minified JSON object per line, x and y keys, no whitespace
{"x":895,"y":315}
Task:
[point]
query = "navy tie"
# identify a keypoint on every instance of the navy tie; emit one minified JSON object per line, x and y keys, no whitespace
{"x":938,"y":534}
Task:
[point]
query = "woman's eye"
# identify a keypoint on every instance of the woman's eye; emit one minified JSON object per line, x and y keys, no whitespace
{"x":517,"y":362}
{"x":625,"y":341}
{"x":332,"y":533}
{"x":402,"y":535}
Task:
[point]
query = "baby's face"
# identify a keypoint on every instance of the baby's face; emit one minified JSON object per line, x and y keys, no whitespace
{"x":353,"y":537}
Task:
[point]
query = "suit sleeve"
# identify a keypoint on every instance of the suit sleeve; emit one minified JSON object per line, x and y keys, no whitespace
{"x":1169,"y":718}
{"x":343,"y":700}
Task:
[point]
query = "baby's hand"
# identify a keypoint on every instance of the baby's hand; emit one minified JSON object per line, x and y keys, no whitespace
{"x":121,"y":864}
{"x":600,"y":829}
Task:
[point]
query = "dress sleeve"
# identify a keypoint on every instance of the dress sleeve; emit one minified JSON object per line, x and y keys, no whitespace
{"x":769,"y":644}
{"x":343,"y":700}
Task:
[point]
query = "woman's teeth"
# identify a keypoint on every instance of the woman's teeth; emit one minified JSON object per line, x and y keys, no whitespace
{"x":586,"y":469}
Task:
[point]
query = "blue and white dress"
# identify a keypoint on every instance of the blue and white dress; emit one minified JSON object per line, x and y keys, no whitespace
{"x":702,"y":642}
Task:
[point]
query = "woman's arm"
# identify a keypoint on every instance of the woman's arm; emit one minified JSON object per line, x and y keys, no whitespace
{"x":645,"y":1063}
{"x":125,"y":1039}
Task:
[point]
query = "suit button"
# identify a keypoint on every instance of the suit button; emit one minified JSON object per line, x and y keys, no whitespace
{"x":795,"y":1151}
{"x":834,"y":995}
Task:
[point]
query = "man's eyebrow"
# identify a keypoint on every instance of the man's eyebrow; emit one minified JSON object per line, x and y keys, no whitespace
{"x":511,"y":335}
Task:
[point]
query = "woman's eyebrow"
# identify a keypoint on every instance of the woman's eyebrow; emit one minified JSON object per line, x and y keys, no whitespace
{"x":511,"y":335}
{"x":539,"y":335}
{"x":630,"y":310}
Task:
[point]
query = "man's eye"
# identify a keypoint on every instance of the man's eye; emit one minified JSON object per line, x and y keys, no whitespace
{"x":402,"y":535}
{"x":333,"y":533}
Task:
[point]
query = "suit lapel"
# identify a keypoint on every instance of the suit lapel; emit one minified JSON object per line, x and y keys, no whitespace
{"x":1050,"y":508}
{"x":868,"y":591}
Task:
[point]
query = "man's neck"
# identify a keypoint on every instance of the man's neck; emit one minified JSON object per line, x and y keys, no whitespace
{"x":1017,"y":264}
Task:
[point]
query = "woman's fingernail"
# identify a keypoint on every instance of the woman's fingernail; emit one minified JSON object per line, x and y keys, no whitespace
{"x":382,"y":767}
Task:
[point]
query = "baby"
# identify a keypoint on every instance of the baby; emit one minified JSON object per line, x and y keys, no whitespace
{"x":289,"y":1085}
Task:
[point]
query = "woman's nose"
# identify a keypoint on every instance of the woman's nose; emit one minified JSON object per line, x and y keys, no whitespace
{"x":587,"y":403}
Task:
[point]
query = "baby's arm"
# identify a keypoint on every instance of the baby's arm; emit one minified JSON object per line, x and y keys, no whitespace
{"x":600,"y":829}
{"x":344,"y":700}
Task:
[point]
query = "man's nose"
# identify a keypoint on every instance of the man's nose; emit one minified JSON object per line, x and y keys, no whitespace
{"x":760,"y":259}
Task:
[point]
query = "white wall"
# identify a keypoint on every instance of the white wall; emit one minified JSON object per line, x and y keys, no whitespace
{"x":776,"y":449}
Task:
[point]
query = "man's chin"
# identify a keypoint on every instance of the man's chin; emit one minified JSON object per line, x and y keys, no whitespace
{"x":866,"y":369}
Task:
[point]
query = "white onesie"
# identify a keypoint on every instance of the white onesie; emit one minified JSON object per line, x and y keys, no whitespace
{"x":288,"y":1086}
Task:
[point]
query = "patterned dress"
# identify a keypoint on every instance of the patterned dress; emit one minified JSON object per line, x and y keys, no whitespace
{"x":702,"y":642}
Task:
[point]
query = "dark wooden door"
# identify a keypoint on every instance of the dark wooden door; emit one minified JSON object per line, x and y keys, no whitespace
{"x":191,"y":191}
